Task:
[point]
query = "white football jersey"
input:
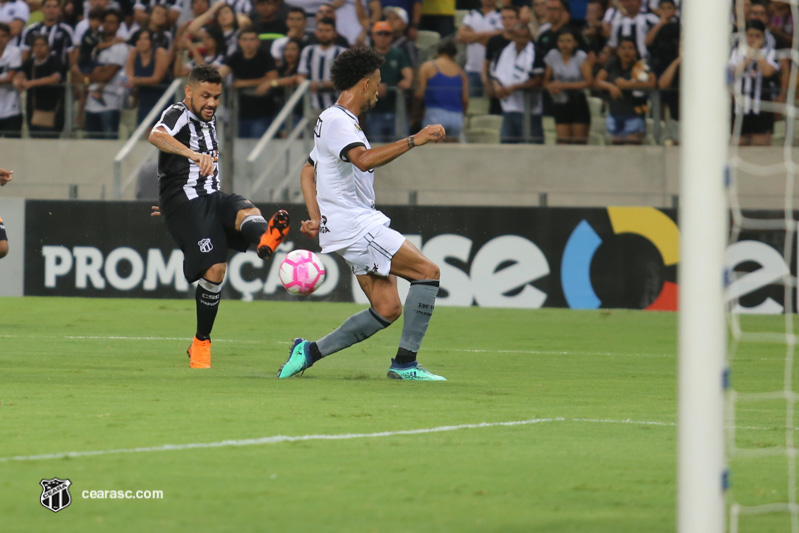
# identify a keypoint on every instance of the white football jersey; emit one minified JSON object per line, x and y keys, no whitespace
{"x":346,"y":194}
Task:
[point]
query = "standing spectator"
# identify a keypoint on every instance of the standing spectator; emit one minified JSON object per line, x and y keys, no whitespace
{"x":251,"y":66}
{"x":631,"y":24}
{"x":198,"y":7}
{"x":626,"y":79}
{"x":106,"y":92}
{"x":268,"y":26}
{"x":568,"y":74}
{"x":592,"y":31}
{"x":558,"y":17}
{"x":398,"y":18}
{"x":15,"y":14}
{"x":10,"y":63}
{"x":316,"y":61}
{"x":296,"y":30}
{"x":228,"y":21}
{"x":41,"y":77}
{"x":143,"y":8}
{"x":160,"y":33}
{"x":210,"y":51}
{"x":72,"y":12}
{"x":781,"y":24}
{"x":444,"y":88}
{"x":663,"y":42}
{"x":754,"y":70}
{"x":477,"y":28}
{"x":518,"y":70}
{"x":535,"y":17}
{"x":353,"y":20}
{"x":438,"y":16}
{"x":509,"y":16}
{"x":83,"y":26}
{"x":240,"y":7}
{"x":669,"y":83}
{"x":59,"y":35}
{"x":287,"y":78}
{"x":395,"y":73}
{"x":146,"y":70}
{"x":327,"y":11}
{"x":413,"y":14}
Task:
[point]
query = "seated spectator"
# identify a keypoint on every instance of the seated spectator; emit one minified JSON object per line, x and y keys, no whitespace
{"x":251,"y":66}
{"x":295,"y":22}
{"x":222,"y":15}
{"x":395,"y":73}
{"x":146,"y":70}
{"x":398,"y":18}
{"x":59,"y":34}
{"x":625,"y":77}
{"x":40,"y":77}
{"x":106,"y":92}
{"x":478,"y":26}
{"x":315,"y":64}
{"x":518,"y":70}
{"x":755,"y":72}
{"x":568,"y":75}
{"x":15,"y":14}
{"x":10,"y":63}
{"x":444,"y":89}
{"x":210,"y":51}
{"x":268,"y":26}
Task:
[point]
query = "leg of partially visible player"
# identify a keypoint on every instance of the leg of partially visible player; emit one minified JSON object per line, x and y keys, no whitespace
{"x":3,"y":240}
{"x":207,"y":296}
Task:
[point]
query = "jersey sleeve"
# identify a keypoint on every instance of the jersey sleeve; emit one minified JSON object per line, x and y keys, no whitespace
{"x":172,"y":119}
{"x":339,"y":135}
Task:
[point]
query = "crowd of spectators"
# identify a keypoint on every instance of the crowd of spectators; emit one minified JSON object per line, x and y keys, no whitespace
{"x":524,"y":59}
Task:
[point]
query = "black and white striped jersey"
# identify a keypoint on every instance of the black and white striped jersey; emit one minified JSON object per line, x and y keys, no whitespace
{"x":179,"y":176}
{"x":315,"y":63}
{"x":60,"y":37}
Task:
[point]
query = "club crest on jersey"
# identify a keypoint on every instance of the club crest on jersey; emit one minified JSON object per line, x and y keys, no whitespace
{"x":55,"y":494}
{"x":205,"y":245}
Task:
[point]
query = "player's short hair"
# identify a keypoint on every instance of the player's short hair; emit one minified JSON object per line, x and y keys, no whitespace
{"x":353,"y":65}
{"x":205,"y":74}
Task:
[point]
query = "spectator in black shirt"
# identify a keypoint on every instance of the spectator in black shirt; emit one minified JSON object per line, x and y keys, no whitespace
{"x":495,"y":45}
{"x":268,"y":26}
{"x":41,"y":77}
{"x":251,"y":66}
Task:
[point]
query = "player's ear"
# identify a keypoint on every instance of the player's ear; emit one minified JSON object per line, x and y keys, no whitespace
{"x":187,"y":91}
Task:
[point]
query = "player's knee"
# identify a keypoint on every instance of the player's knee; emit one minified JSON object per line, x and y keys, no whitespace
{"x":3,"y":249}
{"x":431,"y":271}
{"x":391,"y":311}
{"x":216,"y":274}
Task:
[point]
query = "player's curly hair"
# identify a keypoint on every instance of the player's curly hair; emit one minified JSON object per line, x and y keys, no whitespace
{"x":353,"y":65}
{"x":205,"y":73}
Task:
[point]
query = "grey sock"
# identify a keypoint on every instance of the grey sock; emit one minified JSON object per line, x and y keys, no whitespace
{"x":419,"y":307}
{"x":356,"y":328}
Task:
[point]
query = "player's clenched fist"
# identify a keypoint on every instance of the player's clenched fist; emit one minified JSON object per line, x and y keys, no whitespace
{"x":432,"y":133}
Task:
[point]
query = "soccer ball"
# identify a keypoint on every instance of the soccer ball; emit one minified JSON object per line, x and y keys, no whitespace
{"x":302,"y":272}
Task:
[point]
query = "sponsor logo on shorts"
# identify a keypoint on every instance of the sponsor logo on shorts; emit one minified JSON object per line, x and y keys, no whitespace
{"x":205,"y":245}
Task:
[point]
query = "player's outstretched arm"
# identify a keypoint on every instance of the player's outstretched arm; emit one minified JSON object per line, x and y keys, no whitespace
{"x":167,"y":143}
{"x":376,"y":157}
{"x":310,"y":228}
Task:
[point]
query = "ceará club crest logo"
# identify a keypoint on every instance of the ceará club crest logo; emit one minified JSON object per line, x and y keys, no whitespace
{"x":55,"y":494}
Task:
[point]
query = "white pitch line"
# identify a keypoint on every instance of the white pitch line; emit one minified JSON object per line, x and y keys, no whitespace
{"x":463,"y":350}
{"x":277,"y":439}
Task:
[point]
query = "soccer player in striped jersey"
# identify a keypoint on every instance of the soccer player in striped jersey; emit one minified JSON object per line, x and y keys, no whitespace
{"x":203,"y":220}
{"x":338,"y":186}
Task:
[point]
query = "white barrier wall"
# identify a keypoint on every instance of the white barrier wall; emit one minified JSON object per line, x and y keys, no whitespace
{"x":431,"y":175}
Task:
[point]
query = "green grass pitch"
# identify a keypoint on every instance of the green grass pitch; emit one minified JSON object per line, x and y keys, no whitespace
{"x":595,"y":392}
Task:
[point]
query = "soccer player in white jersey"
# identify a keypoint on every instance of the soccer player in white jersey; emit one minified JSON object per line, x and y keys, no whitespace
{"x":338,"y":186}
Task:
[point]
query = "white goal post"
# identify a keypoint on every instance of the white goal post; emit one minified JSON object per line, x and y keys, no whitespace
{"x":703,"y":220}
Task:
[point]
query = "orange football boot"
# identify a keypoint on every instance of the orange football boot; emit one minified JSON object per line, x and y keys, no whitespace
{"x":274,"y":235}
{"x":199,"y":353}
